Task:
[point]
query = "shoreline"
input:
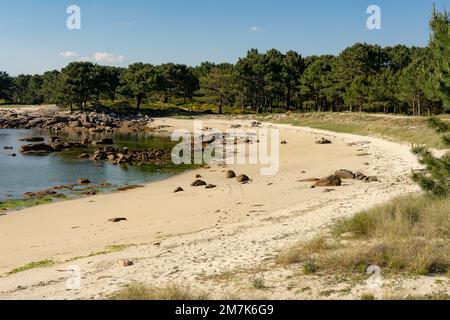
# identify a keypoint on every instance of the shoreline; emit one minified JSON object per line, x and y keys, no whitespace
{"x":241,"y":207}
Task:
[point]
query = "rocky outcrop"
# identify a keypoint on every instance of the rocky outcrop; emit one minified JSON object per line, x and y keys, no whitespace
{"x":93,"y":122}
{"x":124,"y":156}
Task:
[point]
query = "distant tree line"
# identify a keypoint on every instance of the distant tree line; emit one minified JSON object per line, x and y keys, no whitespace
{"x":363,"y":77}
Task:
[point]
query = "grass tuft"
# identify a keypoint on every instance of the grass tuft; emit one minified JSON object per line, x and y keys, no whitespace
{"x":143,"y":292}
{"x":409,"y":234}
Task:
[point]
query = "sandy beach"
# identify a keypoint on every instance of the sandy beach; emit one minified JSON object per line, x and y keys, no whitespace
{"x":190,"y":236}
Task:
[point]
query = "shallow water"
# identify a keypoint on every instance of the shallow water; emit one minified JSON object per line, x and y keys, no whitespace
{"x":25,"y":173}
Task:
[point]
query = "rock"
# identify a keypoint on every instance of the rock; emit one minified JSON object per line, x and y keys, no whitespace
{"x":323,"y":141}
{"x":198,"y":183}
{"x":115,"y":220}
{"x":210,"y":186}
{"x":230,"y":174}
{"x":345,"y":174}
{"x":84,"y":156}
{"x":131,"y":187}
{"x":12,"y":155}
{"x":39,"y":194}
{"x":32,"y":139}
{"x":124,"y":263}
{"x":330,"y":181}
{"x":360,"y":176}
{"x":54,"y":140}
{"x":372,"y":179}
{"x":36,"y":148}
{"x":310,"y":180}
{"x":197,"y":176}
{"x":105,"y":141}
{"x":75,"y":124}
{"x":242,"y":178}
{"x":178,"y":189}
{"x":83,"y":181}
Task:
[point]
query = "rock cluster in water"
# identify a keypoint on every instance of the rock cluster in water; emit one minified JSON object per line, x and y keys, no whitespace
{"x":94,"y":122}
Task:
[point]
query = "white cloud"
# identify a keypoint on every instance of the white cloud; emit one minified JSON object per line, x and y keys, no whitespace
{"x":107,"y":57}
{"x":69,"y":54}
{"x":256,"y":29}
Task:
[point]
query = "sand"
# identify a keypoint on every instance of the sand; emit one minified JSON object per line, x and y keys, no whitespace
{"x":190,"y":236}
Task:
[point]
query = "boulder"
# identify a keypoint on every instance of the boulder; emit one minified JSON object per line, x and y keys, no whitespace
{"x":36,"y":148}
{"x":360,"y":176}
{"x":104,"y":141}
{"x":210,"y":186}
{"x":198,"y":183}
{"x":83,"y":181}
{"x":115,"y":220}
{"x":345,"y":174}
{"x":230,"y":174}
{"x":372,"y":179}
{"x":84,"y":156}
{"x":323,"y":141}
{"x":124,"y":263}
{"x":178,"y":189}
{"x":242,"y":178}
{"x":330,"y":181}
{"x":32,"y":139}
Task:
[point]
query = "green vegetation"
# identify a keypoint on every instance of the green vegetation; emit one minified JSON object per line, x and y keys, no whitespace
{"x":258,"y":283}
{"x":33,"y":265}
{"x":363,"y":77}
{"x":437,"y":178}
{"x":145,"y":292}
{"x":410,"y":234}
{"x":26,"y":203}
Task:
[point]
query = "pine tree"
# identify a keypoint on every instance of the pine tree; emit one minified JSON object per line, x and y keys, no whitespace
{"x":436,"y":180}
{"x":440,"y":46}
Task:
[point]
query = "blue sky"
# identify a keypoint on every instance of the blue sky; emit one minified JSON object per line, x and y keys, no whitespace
{"x":34,"y":37}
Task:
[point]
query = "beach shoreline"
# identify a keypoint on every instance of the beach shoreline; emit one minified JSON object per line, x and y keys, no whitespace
{"x":242,"y":220}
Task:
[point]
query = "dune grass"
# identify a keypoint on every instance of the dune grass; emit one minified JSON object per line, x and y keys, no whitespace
{"x":139,"y":291}
{"x":412,"y":130}
{"x":409,"y":234}
{"x":33,"y":265}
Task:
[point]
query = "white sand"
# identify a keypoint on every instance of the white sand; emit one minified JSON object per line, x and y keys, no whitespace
{"x":201,"y":232}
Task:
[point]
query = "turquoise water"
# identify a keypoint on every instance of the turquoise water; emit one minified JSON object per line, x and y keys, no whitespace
{"x":30,"y":173}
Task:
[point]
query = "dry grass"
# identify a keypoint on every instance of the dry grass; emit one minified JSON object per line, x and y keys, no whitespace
{"x":143,"y":292}
{"x":412,"y":130}
{"x":410,"y":234}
